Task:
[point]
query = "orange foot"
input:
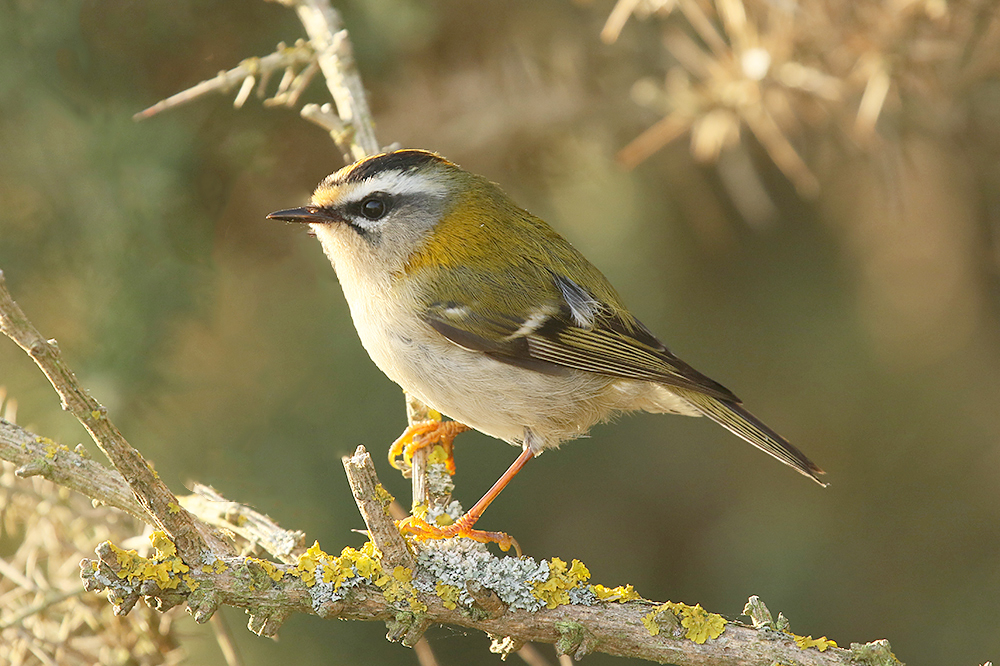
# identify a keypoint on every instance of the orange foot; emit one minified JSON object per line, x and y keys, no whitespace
{"x":424,"y":434}
{"x":421,"y":530}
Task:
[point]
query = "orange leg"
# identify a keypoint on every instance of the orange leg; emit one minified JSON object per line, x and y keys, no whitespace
{"x":424,"y":434}
{"x":463,"y":526}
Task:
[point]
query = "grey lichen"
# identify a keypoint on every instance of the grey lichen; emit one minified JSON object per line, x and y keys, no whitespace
{"x":583,"y":596}
{"x":759,"y":614}
{"x":876,"y":653}
{"x":453,"y":511}
{"x":322,"y":593}
{"x":457,"y":561}
{"x":439,"y":481}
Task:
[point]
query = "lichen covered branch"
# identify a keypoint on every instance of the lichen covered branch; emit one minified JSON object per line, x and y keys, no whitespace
{"x":513,"y":600}
{"x":547,"y":602}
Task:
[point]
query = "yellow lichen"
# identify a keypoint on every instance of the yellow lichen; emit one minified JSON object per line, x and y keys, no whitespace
{"x":305,"y":568}
{"x":161,"y":568}
{"x":449,"y":594}
{"x":49,"y":446}
{"x":127,"y":560}
{"x":555,"y":590}
{"x":173,"y":507}
{"x":437,"y":455}
{"x":820,"y":644}
{"x":350,"y":563}
{"x":444,"y":520}
{"x":270,"y":568}
{"x":371,"y":550}
{"x":337,"y":574}
{"x":699,"y":623}
{"x":649,"y":621}
{"x":419,"y":510}
{"x":620,"y":594}
{"x":383,"y":496}
{"x":397,"y":585}
{"x":365,"y":563}
{"x":161,"y":542}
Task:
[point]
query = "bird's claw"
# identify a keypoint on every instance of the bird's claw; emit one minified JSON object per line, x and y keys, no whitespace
{"x":421,"y":435}
{"x":421,"y":530}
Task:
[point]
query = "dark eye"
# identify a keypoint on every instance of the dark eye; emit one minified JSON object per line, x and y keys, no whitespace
{"x":374,"y":207}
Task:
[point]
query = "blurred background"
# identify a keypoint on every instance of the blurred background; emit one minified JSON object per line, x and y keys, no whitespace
{"x":801,"y":200}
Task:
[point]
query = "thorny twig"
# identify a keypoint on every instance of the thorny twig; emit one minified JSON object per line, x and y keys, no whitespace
{"x":246,"y":75}
{"x":780,"y":69}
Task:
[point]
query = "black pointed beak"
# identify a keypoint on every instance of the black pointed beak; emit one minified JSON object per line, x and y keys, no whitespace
{"x":304,"y":215}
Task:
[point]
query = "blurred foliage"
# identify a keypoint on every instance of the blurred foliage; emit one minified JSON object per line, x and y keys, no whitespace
{"x":861,"y":322}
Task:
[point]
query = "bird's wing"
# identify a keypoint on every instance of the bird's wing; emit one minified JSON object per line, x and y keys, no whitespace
{"x":568,"y":329}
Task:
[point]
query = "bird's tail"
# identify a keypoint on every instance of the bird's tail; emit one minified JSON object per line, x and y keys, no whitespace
{"x":733,"y":417}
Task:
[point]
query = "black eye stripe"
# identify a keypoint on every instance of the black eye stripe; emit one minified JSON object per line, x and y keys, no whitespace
{"x":373,"y":207}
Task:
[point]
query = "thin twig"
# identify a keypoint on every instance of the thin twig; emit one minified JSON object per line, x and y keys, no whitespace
{"x":652,"y":139}
{"x":425,"y":655}
{"x":230,"y":650}
{"x":35,"y":455}
{"x":286,"y":57}
{"x":530,"y":655}
{"x":254,"y":527}
{"x":49,"y":600}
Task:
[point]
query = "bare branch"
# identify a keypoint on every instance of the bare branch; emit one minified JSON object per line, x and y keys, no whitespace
{"x":285,"y":58}
{"x":373,"y":503}
{"x":35,"y":455}
{"x":257,"y":529}
{"x":335,"y":55}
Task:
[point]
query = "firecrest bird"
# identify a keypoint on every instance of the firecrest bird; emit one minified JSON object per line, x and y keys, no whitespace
{"x":484,"y":313}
